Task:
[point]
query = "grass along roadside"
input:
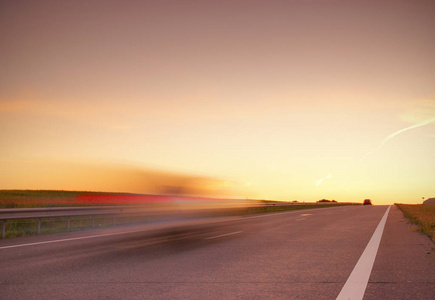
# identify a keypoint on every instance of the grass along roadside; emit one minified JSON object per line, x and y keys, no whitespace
{"x":423,"y":215}
{"x":43,"y":198}
{"x":28,"y":227}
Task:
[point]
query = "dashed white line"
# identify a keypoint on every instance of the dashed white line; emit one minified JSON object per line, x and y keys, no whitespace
{"x":222,"y":235}
{"x":356,"y":284}
{"x":265,"y":215}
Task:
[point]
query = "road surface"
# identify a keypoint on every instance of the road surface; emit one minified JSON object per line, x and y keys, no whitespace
{"x":304,"y":254}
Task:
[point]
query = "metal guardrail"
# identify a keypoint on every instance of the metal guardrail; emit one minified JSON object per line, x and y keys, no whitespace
{"x":133,"y":211}
{"x":143,"y":212}
{"x":57,"y":212}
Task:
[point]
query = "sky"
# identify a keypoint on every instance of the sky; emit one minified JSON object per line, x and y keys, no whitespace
{"x":280,"y":100}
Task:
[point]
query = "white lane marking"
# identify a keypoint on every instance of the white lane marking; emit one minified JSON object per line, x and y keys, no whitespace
{"x":271,"y":214}
{"x":301,"y":219}
{"x":70,"y":239}
{"x":284,"y":212}
{"x":131,"y":231}
{"x":303,"y":215}
{"x":107,"y":234}
{"x":356,"y":284}
{"x":222,"y":235}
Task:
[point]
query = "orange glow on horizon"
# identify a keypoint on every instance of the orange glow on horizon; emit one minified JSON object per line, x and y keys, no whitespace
{"x":282,"y":101}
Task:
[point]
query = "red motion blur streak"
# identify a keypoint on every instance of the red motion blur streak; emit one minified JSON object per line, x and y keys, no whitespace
{"x":137,"y":199}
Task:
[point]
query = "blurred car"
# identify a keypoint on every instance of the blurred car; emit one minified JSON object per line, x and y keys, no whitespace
{"x":367,"y":202}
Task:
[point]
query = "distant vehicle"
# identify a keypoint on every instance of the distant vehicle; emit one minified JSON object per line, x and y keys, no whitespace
{"x":367,"y":202}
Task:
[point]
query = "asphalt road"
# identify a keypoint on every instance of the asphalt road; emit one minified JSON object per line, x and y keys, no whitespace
{"x":305,"y":254}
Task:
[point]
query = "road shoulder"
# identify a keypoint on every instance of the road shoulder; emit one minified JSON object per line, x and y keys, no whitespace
{"x":405,"y":263}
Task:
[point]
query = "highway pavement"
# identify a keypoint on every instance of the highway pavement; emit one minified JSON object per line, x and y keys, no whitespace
{"x":304,"y":254}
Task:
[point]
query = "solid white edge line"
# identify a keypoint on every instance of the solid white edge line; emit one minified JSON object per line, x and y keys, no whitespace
{"x":356,"y":284}
{"x":70,"y":239}
{"x":222,"y":235}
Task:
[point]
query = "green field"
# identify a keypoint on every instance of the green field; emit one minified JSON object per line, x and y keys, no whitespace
{"x":42,"y":198}
{"x":423,"y":215}
{"x":29,"y":199}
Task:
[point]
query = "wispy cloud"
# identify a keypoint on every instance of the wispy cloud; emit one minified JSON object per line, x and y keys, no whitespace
{"x":320,"y":181}
{"x":397,"y":133}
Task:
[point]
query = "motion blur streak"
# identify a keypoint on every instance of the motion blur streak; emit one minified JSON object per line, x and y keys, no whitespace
{"x":81,"y":175}
{"x":160,"y":202}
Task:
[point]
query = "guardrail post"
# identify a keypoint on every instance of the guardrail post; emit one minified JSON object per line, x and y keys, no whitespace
{"x":93,"y":221}
{"x":68,"y":223}
{"x":3,"y":229}
{"x":38,"y":226}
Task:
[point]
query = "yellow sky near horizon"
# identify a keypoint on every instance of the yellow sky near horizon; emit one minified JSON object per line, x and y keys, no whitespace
{"x":298,"y":100}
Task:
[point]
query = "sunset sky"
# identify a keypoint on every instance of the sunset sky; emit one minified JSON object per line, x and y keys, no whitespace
{"x":284,"y":100}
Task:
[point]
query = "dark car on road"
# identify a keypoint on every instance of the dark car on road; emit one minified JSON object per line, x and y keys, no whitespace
{"x":367,"y":202}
